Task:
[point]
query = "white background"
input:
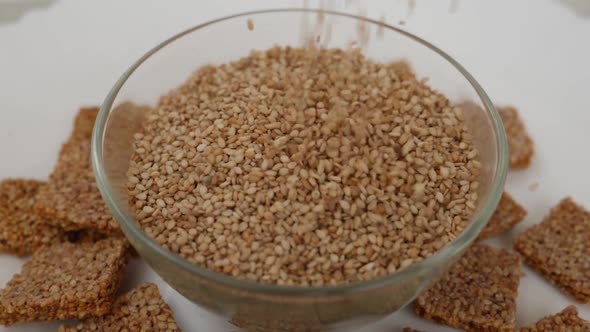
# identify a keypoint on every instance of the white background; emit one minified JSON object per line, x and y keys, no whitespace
{"x":533,"y":54}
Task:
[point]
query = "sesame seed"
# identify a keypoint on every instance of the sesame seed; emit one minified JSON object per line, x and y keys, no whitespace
{"x":352,"y":173}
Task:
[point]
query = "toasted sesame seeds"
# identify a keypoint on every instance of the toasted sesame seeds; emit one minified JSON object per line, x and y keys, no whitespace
{"x":283,"y":154}
{"x":477,"y":294}
{"x":559,"y":248}
{"x":507,"y":214}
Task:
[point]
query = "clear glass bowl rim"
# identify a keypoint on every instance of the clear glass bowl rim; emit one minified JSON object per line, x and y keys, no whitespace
{"x":408,"y":273}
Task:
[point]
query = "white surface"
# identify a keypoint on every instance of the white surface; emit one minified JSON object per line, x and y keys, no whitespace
{"x":532,"y":54}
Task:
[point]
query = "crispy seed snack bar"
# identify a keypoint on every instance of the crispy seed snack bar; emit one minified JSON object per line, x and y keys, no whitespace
{"x":559,"y":247}
{"x":565,"y":321}
{"x":71,"y":198}
{"x":507,"y":214}
{"x":409,"y":329}
{"x":65,"y":281}
{"x":84,"y":122}
{"x":21,"y":230}
{"x":142,"y":309}
{"x":477,"y":294}
{"x":519,"y":142}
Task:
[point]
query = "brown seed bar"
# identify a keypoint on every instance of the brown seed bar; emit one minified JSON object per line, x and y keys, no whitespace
{"x":409,"y":329}
{"x":507,"y":214}
{"x":559,"y":247}
{"x":565,"y":321}
{"x":22,"y":231}
{"x":65,"y":281}
{"x":84,"y":122}
{"x":71,"y":198}
{"x":477,"y":294}
{"x":519,"y":142}
{"x":142,"y":309}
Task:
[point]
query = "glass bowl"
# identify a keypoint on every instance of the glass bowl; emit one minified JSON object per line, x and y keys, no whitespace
{"x":264,"y":307}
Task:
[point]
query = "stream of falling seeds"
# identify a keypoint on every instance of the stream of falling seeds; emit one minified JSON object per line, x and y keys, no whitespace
{"x":318,"y":32}
{"x":381,"y":28}
{"x":411,"y":7}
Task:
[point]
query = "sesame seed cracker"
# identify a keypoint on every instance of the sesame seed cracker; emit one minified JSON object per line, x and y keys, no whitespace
{"x":477,"y":294}
{"x":507,"y":214}
{"x":71,"y":198}
{"x":519,"y":142}
{"x":65,"y":281}
{"x":142,"y":309}
{"x":565,"y":321}
{"x":84,"y":122}
{"x":559,"y":248}
{"x":22,"y":231}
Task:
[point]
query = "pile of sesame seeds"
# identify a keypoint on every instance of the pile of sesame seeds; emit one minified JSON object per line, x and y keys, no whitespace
{"x":302,"y":166}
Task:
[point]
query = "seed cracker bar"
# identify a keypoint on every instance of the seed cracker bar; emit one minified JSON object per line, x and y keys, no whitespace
{"x":477,"y":294}
{"x":65,"y":281}
{"x":142,"y":309}
{"x":84,"y":122}
{"x":409,"y":329}
{"x":559,"y":248}
{"x":22,"y":231}
{"x":507,"y":214}
{"x":519,"y":142}
{"x":71,"y":198}
{"x":567,"y":321}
